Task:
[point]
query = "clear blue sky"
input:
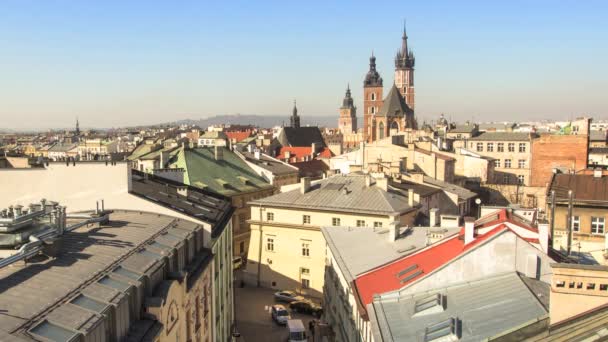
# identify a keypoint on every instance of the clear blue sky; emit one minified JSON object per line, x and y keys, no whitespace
{"x":115,"y":63}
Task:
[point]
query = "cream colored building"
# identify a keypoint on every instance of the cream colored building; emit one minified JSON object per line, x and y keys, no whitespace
{"x":512,"y":154}
{"x":287,"y":248}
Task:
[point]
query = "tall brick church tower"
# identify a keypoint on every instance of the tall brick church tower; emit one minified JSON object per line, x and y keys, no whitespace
{"x":347,"y":123}
{"x":404,"y":71}
{"x":372,"y":99}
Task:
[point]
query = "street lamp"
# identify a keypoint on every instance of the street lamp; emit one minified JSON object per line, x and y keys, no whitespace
{"x":478,"y":202}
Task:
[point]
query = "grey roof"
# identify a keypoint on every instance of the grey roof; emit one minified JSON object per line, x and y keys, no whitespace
{"x":463,"y":194}
{"x":273,"y":165}
{"x":300,"y":137}
{"x":42,"y":287}
{"x":360,"y":249}
{"x":597,"y":135}
{"x":503,"y":136}
{"x":394,"y":104}
{"x":484,"y":308}
{"x":497,"y":126}
{"x":214,"y":135}
{"x":345,"y":193}
{"x":463,"y":129}
{"x":61,"y":147}
{"x":598,"y":150}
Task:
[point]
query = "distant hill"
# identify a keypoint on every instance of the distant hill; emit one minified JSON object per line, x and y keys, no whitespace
{"x":263,"y":121}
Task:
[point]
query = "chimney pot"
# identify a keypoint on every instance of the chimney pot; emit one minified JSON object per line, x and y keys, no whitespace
{"x":469,"y":230}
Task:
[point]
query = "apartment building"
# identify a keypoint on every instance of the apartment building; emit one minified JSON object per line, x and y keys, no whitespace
{"x":287,"y":250}
{"x":511,"y":152}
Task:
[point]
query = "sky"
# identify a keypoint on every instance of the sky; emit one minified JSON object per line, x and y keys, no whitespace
{"x":117,"y":63}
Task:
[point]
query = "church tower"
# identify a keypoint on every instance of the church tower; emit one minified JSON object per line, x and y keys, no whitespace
{"x":404,"y":71}
{"x":295,"y":118}
{"x":347,"y":123}
{"x":372,"y":99}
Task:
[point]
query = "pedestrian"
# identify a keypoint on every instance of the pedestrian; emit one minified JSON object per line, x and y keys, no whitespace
{"x":311,"y":325}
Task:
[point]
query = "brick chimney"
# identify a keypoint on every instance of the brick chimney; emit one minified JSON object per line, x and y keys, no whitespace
{"x":393,"y":228}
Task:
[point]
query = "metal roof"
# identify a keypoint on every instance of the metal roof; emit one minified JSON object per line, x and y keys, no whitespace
{"x":360,"y":249}
{"x":41,"y":289}
{"x":275,"y":166}
{"x":483,"y":308}
{"x":584,"y":188}
{"x":463,"y":193}
{"x":353,"y":197}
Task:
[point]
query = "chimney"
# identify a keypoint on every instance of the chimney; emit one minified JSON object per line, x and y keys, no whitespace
{"x":368,"y":181}
{"x":597,"y":173}
{"x":18,"y":210}
{"x":434,"y":217}
{"x":543,"y":235}
{"x":313,"y":150}
{"x":256,"y":154}
{"x":164,"y":158}
{"x":249,"y":148}
{"x":218,"y":153}
{"x":469,"y":230}
{"x":304,"y":185}
{"x":393,"y":229}
{"x":382,"y":183}
{"x":410,"y":197}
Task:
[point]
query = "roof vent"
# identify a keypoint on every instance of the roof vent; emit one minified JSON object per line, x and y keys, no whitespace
{"x":443,"y":331}
{"x":597,"y":173}
{"x":429,"y":305}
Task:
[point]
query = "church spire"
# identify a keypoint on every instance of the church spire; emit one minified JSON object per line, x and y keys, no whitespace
{"x":404,"y":51}
{"x":294,"y":119}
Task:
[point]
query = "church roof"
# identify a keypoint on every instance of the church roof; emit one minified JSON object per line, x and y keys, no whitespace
{"x":300,"y":137}
{"x":394,"y":104}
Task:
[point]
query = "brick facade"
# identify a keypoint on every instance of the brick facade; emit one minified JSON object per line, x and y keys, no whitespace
{"x":552,"y":151}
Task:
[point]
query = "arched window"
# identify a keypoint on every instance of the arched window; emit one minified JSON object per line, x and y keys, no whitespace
{"x":381,"y":131}
{"x":395,"y":125}
{"x":373,"y":96}
{"x":372,"y":110}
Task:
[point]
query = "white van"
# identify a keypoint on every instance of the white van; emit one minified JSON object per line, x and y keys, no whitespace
{"x":297,"y":332}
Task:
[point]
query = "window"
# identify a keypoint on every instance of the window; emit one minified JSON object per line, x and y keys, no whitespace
{"x":590,"y":286}
{"x":490,"y":147}
{"x":371,"y":110}
{"x":335,"y":221}
{"x":373,"y":96}
{"x":479,"y":147}
{"x":603,"y":287}
{"x":507,"y":163}
{"x":500,"y":147}
{"x":522,"y":147}
{"x":521,"y":163}
{"x":511,"y":147}
{"x":505,"y":179}
{"x":305,"y":271}
{"x":576,"y":223}
{"x":242,"y":247}
{"x":520,"y":179}
{"x":306,"y":219}
{"x":597,"y":225}
{"x":360,"y":223}
{"x":377,"y":224}
{"x":497,"y":163}
{"x":270,"y":244}
{"x":269,"y":216}
{"x":305,"y":249}
{"x":305,"y":283}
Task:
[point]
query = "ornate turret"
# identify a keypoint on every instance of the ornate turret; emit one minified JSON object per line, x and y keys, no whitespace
{"x":405,"y":57}
{"x":348,"y":100}
{"x":295,"y":119}
{"x":347,"y":123}
{"x":372,"y":79}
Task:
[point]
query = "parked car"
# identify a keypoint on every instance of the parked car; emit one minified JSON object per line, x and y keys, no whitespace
{"x":297,"y":331}
{"x":280,"y":314}
{"x":287,"y":296}
{"x":307,"y":307}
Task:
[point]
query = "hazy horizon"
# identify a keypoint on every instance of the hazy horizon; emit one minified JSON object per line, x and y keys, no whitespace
{"x":115,"y":64}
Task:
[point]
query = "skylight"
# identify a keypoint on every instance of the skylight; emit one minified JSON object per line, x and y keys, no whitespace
{"x":429,"y":304}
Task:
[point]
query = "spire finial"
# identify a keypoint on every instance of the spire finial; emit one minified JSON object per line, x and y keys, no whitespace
{"x":404,"y":30}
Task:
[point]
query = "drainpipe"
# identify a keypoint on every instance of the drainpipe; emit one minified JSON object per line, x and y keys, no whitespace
{"x":569,"y":222}
{"x":552,"y":217}
{"x":260,"y":247}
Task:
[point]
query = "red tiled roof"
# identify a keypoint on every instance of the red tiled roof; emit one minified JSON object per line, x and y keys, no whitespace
{"x":238,"y":136}
{"x":326,"y":153}
{"x":298,"y":152}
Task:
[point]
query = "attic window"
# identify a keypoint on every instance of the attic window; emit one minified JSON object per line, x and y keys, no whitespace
{"x":443,"y":331}
{"x":222,"y":182}
{"x":245,"y":180}
{"x":429,"y":304}
{"x":52,"y":332}
{"x":200,"y":185}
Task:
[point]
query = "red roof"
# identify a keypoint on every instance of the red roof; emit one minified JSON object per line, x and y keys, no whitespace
{"x":237,"y":136}
{"x":326,"y":153}
{"x":300,"y":152}
{"x":403,"y":271}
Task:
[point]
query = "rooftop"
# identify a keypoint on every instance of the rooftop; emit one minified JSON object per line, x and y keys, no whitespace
{"x":504,"y":136}
{"x":483,"y":309}
{"x":345,"y":193}
{"x":584,"y":187}
{"x":347,"y":244}
{"x":45,"y":288}
{"x":228,"y":176}
{"x":268,"y":163}
{"x":300,"y":137}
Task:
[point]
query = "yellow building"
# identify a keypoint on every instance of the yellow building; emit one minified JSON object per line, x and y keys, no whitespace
{"x":287,"y":248}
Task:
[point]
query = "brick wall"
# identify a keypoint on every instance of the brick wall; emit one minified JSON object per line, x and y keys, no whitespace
{"x":551,"y":151}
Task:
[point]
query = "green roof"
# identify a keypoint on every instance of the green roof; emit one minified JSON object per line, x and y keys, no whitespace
{"x":141,"y":150}
{"x":228,"y":176}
